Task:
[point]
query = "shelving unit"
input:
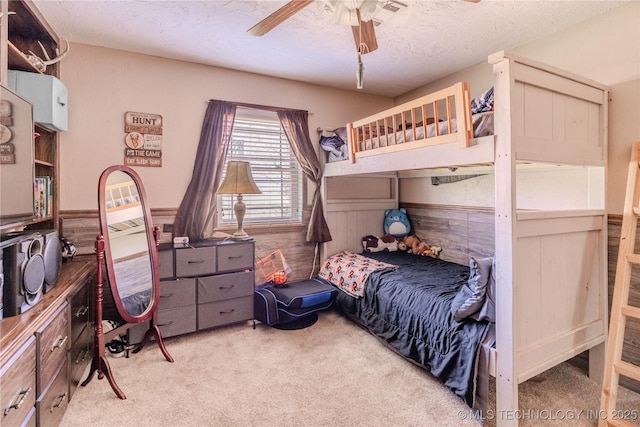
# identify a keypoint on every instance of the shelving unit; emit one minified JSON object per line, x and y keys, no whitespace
{"x":24,"y":30}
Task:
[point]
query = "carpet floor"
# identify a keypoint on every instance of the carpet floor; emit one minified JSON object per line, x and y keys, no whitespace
{"x":333,"y":373}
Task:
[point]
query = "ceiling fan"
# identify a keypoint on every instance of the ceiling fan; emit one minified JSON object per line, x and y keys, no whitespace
{"x":359,"y":14}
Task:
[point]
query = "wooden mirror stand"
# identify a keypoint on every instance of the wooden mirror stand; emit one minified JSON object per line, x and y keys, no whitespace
{"x":127,"y":248}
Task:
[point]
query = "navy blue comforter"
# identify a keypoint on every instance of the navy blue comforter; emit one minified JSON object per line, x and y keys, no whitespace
{"x":410,"y":309}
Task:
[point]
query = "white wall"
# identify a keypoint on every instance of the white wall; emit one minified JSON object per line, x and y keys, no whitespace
{"x":605,"y":49}
{"x":104,"y":84}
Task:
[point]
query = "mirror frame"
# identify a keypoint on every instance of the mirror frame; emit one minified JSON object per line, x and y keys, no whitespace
{"x":151,"y":243}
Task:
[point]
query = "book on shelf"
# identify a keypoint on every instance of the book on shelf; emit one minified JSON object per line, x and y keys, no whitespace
{"x":43,"y":196}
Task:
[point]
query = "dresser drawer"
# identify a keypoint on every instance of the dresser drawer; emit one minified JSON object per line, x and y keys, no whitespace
{"x":165,"y":260}
{"x":195,"y":261}
{"x":80,"y":356}
{"x":52,"y":343}
{"x":18,"y":385}
{"x":235,"y":257}
{"x":225,"y":286}
{"x":79,"y":311}
{"x":224,"y":312}
{"x":172,"y":322}
{"x":177,"y":293}
{"x":177,"y":321}
{"x":54,"y":402}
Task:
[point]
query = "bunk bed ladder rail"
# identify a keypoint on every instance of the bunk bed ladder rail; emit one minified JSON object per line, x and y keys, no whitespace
{"x":620,"y":307}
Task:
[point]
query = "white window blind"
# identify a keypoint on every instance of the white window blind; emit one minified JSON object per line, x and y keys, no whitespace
{"x":258,"y":138}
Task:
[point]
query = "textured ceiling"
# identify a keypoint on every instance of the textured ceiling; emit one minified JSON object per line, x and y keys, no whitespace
{"x":425,"y":41}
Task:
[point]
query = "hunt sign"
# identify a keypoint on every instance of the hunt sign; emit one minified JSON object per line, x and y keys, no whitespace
{"x":143,"y":139}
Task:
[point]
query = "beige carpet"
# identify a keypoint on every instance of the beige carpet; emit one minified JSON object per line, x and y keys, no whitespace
{"x":331,"y":374}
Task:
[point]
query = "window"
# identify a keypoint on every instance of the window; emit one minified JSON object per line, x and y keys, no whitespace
{"x":258,"y":138}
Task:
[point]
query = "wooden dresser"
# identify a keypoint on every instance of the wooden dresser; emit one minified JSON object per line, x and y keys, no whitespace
{"x":44,"y":351}
{"x":203,"y":286}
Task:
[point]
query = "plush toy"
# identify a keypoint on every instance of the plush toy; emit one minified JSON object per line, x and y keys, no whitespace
{"x":378,"y":244}
{"x":396,"y":222}
{"x":418,"y":247}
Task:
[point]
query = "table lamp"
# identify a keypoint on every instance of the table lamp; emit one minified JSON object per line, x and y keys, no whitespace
{"x":239,"y":180}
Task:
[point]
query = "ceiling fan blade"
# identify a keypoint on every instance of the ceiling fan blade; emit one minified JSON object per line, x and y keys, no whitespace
{"x":365,"y":34}
{"x":278,"y":17}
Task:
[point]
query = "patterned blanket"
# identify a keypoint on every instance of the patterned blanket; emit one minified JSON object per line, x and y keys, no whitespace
{"x":349,"y":271}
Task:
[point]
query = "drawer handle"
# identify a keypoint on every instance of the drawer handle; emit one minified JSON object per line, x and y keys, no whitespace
{"x":166,"y":296}
{"x":236,"y":257}
{"x":225,"y":287}
{"x":196,"y":262}
{"x":166,"y":324}
{"x":82,"y":356}
{"x":228,"y":311}
{"x":59,"y":342}
{"x":19,"y":400}
{"x":82,"y":311}
{"x":59,"y":400}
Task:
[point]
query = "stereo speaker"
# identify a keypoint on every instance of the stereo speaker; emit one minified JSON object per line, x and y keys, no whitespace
{"x":52,"y":255}
{"x":24,"y":274}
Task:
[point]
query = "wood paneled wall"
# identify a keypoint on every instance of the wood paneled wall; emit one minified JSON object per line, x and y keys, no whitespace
{"x":461,"y":232}
{"x":82,"y":227}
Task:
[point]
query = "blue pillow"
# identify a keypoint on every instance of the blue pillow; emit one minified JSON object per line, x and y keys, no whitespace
{"x":488,"y":310}
{"x":471,"y":297}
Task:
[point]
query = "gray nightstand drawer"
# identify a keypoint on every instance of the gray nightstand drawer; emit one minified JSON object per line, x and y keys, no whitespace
{"x":225,"y":286}
{"x":225,"y":312}
{"x":165,"y":259}
{"x":195,"y":261}
{"x":235,"y":257}
{"x":177,"y":293}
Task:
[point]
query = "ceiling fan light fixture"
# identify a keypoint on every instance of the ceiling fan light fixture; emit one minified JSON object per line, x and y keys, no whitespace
{"x":344,"y":12}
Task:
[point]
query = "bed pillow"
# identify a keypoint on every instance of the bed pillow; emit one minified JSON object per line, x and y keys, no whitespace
{"x":471,"y":297}
{"x":482,"y":103}
{"x":342,"y":133}
{"x":488,"y":310}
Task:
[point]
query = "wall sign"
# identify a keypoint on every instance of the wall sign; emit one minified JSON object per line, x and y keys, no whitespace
{"x":143,"y":140}
{"x":7,"y":149}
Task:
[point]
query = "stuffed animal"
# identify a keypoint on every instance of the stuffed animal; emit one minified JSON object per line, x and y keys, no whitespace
{"x":378,"y":244}
{"x":418,"y":247}
{"x":396,"y":222}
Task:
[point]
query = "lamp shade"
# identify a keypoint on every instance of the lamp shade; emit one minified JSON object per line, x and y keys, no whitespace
{"x":238,"y":180}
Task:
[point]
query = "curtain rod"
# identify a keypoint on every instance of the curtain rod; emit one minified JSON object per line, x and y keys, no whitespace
{"x":259,"y":107}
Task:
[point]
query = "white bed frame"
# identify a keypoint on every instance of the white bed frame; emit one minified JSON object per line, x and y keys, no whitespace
{"x":551,"y":268}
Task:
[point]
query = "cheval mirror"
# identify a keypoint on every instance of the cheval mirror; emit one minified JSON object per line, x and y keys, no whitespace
{"x":127,"y":248}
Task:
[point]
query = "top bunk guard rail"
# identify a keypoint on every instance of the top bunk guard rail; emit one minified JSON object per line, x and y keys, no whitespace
{"x":438,"y":118}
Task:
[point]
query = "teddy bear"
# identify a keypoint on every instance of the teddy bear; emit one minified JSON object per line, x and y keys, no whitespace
{"x":418,"y":247}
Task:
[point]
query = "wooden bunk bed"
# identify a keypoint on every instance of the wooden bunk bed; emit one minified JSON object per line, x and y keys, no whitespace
{"x":550,"y":254}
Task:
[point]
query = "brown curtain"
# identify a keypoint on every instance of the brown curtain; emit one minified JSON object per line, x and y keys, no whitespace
{"x":196,"y":212}
{"x":296,"y":126}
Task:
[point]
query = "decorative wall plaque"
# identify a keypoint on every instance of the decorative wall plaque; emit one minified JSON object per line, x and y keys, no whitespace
{"x":143,"y":139}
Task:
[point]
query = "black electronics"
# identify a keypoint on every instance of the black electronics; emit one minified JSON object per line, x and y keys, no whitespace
{"x":52,"y":254}
{"x":30,"y":265}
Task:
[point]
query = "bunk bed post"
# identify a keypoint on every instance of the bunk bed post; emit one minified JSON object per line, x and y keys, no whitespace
{"x":463,"y":114}
{"x":353,"y":142}
{"x":505,"y":210}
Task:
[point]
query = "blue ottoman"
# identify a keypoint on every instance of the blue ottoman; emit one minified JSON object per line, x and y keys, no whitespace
{"x":294,"y":305}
